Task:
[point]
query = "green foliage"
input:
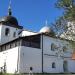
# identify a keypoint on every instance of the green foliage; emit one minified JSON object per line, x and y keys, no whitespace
{"x":70,"y":14}
{"x":60,"y":25}
{"x":69,"y":8}
{"x":65,"y":4}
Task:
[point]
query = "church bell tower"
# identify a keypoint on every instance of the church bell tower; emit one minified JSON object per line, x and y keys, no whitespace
{"x":9,"y":27}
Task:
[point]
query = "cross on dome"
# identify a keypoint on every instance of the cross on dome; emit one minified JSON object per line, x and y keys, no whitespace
{"x":9,"y":8}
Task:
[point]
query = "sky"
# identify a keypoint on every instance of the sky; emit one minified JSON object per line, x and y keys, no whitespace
{"x":32,"y":14}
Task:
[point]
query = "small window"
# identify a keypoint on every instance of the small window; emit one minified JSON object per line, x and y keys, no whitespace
{"x":14,"y":35}
{"x":53,"y":65}
{"x":65,"y":66}
{"x":52,"y":47}
{"x":7,"y":31}
{"x":31,"y":68}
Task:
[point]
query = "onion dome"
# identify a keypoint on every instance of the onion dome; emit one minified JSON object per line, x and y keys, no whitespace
{"x":9,"y":20}
{"x":47,"y":30}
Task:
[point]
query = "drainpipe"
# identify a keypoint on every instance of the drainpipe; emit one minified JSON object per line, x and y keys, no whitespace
{"x":42,"y":50}
{"x":18,"y":61}
{"x":18,"y":58}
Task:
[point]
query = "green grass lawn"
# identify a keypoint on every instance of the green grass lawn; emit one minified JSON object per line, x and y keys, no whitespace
{"x":36,"y":74}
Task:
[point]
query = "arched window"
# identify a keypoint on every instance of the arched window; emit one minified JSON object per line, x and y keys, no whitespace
{"x":31,"y":68}
{"x":53,"y":65}
{"x":7,"y":31}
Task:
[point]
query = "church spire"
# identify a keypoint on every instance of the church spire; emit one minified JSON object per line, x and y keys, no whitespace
{"x":9,"y":8}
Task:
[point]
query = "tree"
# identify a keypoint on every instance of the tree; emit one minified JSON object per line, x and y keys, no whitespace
{"x":65,"y":4}
{"x":61,"y":24}
{"x":66,"y":23}
{"x":69,"y":8}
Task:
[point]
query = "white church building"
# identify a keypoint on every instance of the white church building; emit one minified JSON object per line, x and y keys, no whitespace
{"x":22,"y":49}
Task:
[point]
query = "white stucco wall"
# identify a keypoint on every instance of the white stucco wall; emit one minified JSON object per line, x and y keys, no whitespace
{"x":10,"y":37}
{"x":10,"y":57}
{"x":48,"y":60}
{"x":71,"y":66}
{"x":47,"y":41}
{"x":0,"y":32}
{"x":50,"y":56}
{"x":30,"y":57}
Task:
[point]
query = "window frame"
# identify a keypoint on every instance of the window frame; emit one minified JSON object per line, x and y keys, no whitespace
{"x":14,"y":34}
{"x":52,"y":47}
{"x":7,"y":31}
{"x":53,"y":65}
